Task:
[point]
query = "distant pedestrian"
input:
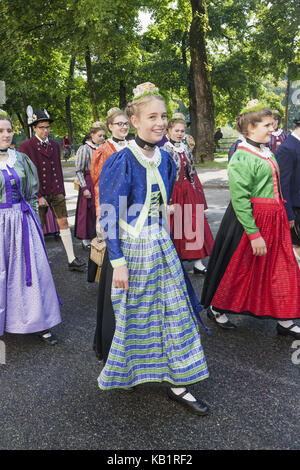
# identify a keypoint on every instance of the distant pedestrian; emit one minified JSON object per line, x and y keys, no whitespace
{"x":288,"y":158}
{"x":156,"y":337}
{"x":85,"y":218}
{"x":278,"y":135}
{"x":67,"y":147}
{"x":118,"y":126}
{"x":45,"y":154}
{"x":252,"y":269}
{"x":217,"y":137}
{"x":28,"y":299}
{"x":191,"y":233}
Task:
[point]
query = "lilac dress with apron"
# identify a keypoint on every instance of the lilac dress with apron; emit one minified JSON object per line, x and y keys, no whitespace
{"x":28,"y":298}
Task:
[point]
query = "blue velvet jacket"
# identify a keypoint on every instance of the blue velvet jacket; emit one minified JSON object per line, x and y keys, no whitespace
{"x":288,"y":158}
{"x":125,"y":187}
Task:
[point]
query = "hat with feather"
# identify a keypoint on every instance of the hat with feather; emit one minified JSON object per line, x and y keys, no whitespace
{"x":40,"y":115}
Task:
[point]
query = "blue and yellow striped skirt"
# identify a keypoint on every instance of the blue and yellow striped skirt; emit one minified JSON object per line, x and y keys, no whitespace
{"x":157,"y":336}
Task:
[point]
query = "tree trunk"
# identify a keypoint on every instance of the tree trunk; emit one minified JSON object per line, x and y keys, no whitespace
{"x":69,"y":98}
{"x":287,"y":97}
{"x":122,"y":95}
{"x":90,"y":83}
{"x":190,"y":85}
{"x":192,"y":104}
{"x":204,"y":128}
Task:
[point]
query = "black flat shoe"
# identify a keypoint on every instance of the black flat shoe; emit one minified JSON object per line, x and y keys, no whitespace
{"x":196,"y":407}
{"x":226,"y":326}
{"x":281,"y":330}
{"x":77,"y":265}
{"x":52,"y":340}
{"x":200,"y":271}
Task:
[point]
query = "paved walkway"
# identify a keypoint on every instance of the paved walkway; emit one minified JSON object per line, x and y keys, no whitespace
{"x":50,"y":398}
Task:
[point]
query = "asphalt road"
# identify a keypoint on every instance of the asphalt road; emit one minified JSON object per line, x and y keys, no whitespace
{"x":50,"y":399}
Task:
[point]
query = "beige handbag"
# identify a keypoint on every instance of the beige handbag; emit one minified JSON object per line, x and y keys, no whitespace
{"x":98,"y":247}
{"x":76,"y":184}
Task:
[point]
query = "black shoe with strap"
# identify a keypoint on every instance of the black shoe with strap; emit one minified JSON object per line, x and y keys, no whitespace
{"x":77,"y":265}
{"x":196,"y":407}
{"x":200,"y":271}
{"x":226,"y":325}
{"x":48,"y":337}
{"x":287,"y":331}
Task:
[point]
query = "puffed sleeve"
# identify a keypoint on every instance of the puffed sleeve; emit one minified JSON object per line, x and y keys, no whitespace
{"x":172,"y":171}
{"x":32,"y":183}
{"x":81,"y":158}
{"x":114,"y":189}
{"x":240,"y":178}
{"x":285,"y":157}
{"x":95,"y":175}
{"x":98,"y":159}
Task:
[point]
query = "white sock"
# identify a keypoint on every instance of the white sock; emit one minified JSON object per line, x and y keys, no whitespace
{"x":288,"y":323}
{"x":188,"y":396}
{"x":199,"y":265}
{"x":66,"y":238}
{"x":220,"y":319}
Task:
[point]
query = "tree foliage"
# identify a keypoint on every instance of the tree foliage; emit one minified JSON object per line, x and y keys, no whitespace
{"x":78,"y":59}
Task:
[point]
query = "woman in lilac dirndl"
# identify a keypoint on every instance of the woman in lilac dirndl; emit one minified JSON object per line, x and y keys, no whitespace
{"x":28,"y":298}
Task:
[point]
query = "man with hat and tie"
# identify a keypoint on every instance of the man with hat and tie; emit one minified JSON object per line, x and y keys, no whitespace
{"x":45,"y":154}
{"x":288,"y":158}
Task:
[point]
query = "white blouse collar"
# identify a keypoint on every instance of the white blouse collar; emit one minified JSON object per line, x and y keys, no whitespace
{"x":10,"y":161}
{"x":156,"y":157}
{"x":264,"y":151}
{"x":117,"y":146}
{"x":277,"y":133}
{"x":180,"y":148}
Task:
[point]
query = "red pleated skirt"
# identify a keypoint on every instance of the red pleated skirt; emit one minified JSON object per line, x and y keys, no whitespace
{"x":189,"y":219}
{"x":264,"y":286}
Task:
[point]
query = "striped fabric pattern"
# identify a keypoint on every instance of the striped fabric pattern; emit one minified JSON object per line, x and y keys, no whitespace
{"x":157,"y":337}
{"x":83,"y":162}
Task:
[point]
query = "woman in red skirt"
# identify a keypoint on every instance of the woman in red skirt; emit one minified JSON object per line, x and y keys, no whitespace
{"x":252,"y":268}
{"x":191,"y":233}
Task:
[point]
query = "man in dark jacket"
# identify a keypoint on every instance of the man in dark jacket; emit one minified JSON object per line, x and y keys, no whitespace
{"x":45,"y":154}
{"x":218,"y":136}
{"x":288,"y":158}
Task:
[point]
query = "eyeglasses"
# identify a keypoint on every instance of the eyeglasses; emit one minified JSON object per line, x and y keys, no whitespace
{"x":120,"y":124}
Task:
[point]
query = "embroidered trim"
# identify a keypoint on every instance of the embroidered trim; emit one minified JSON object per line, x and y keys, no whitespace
{"x":145,"y":161}
{"x":152,"y":176}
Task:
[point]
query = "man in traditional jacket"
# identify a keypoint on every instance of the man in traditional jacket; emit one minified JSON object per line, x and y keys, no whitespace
{"x":45,"y":154}
{"x":288,"y":158}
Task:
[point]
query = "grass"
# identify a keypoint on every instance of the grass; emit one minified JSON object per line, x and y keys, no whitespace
{"x":221,"y":155}
{"x":67,"y":163}
{"x":213,"y":164}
